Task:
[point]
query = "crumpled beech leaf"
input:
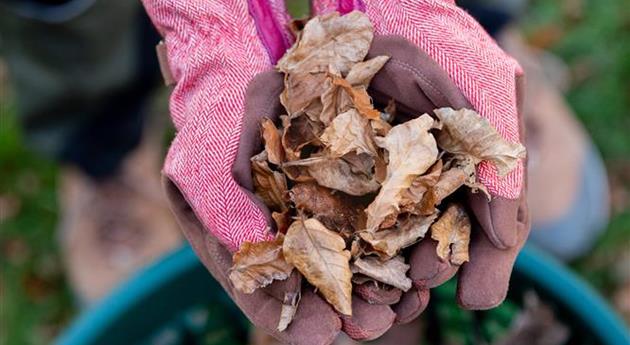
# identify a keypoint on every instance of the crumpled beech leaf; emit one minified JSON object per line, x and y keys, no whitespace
{"x":410,"y":139}
{"x":337,"y":174}
{"x":349,"y":132}
{"x":273,"y":142}
{"x":391,"y":272}
{"x":468,"y":134}
{"x":452,"y":231}
{"x":336,"y":210}
{"x":320,"y":255}
{"x":388,"y":242}
{"x":329,"y":40}
{"x":270,"y":186}
{"x":257,"y":265}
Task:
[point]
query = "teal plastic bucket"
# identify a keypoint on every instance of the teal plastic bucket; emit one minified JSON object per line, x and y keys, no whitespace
{"x":154,"y":297}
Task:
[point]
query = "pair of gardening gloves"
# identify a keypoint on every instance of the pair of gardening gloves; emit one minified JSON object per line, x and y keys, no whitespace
{"x":221,"y":55}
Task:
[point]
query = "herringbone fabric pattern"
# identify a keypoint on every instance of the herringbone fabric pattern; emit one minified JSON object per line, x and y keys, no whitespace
{"x":214,"y":51}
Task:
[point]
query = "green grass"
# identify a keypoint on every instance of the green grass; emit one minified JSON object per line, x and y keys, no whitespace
{"x":34,"y":299}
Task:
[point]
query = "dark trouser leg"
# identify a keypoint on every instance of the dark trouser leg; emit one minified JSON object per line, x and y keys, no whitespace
{"x":82,"y":71}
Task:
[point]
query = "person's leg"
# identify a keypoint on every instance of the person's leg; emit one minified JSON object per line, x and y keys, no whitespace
{"x":82,"y":71}
{"x":568,"y":189}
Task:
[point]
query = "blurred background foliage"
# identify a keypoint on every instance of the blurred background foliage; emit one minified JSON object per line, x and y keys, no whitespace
{"x":591,"y":36}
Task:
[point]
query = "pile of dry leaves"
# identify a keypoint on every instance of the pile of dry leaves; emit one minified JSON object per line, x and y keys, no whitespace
{"x":348,"y":186}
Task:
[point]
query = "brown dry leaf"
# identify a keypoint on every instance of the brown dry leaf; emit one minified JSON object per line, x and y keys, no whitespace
{"x":349,"y":132}
{"x":466,"y":133}
{"x":452,"y":231}
{"x":329,"y":40}
{"x":299,"y":131}
{"x":297,"y":173}
{"x":337,"y":211}
{"x":256,"y":265}
{"x":389,"y":242}
{"x":355,"y":248}
{"x":361,"y":164}
{"x":337,"y":174}
{"x":380,"y":128}
{"x":334,"y":100}
{"x":420,"y":186}
{"x":320,"y":255}
{"x":273,"y":145}
{"x":282,"y":220}
{"x":412,"y":150}
{"x":468,"y":168}
{"x":361,"y":74}
{"x":391,"y":272}
{"x":290,"y":304}
{"x":270,"y":186}
{"x":449,"y":182}
{"x":302,"y":92}
{"x":360,"y":99}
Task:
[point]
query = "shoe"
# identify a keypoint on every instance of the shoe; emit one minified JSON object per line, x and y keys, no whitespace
{"x":112,"y":227}
{"x":568,"y":190}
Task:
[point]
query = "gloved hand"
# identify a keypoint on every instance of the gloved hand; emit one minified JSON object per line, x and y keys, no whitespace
{"x":441,"y":57}
{"x":221,"y":55}
{"x":215,"y":50}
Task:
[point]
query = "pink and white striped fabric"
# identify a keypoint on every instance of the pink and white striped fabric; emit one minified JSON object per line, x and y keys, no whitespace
{"x":485,"y":74}
{"x":216,"y":47}
{"x":214,"y":50}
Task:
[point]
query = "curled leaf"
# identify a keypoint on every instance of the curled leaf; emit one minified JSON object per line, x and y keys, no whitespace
{"x":256,"y":265}
{"x":337,"y":211}
{"x":391,"y":272}
{"x":337,"y":174}
{"x":349,"y":132}
{"x":329,"y":40}
{"x":299,"y":131}
{"x":452,"y":231}
{"x":361,"y":74}
{"x":412,"y":150}
{"x":468,"y":134}
{"x":389,"y":242}
{"x":450,"y":180}
{"x":420,"y":186}
{"x":302,"y":92}
{"x":361,"y":164}
{"x":270,"y":186}
{"x":273,"y":144}
{"x":290,"y":304}
{"x":360,"y":99}
{"x":320,"y":255}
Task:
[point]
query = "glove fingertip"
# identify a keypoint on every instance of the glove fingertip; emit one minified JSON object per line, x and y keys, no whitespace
{"x":427,"y":270}
{"x":315,"y":323}
{"x":411,"y":305}
{"x":472,"y":299}
{"x":497,"y":218}
{"x":368,"y":321}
